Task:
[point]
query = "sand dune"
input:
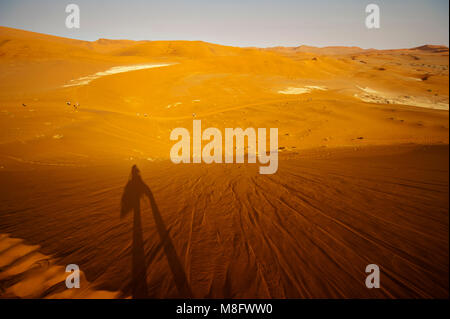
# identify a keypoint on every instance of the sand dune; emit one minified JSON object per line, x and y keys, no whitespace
{"x":308,"y":231}
{"x":362,"y":178}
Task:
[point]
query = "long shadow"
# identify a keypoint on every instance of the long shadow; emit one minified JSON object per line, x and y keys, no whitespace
{"x":132,"y":194}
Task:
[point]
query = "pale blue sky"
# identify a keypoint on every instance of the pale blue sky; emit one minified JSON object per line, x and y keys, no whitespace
{"x":404,"y":23}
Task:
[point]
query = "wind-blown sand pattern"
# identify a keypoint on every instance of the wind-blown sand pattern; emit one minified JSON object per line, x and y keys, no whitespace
{"x":27,"y":273}
{"x":360,"y":180}
{"x":286,"y":235}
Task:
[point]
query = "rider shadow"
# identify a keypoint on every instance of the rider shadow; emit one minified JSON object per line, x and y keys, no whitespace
{"x":134,"y":190}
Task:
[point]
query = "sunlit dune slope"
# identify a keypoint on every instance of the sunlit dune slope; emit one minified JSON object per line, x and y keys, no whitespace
{"x":365,"y":96}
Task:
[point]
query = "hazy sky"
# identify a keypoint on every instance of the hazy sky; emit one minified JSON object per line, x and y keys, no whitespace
{"x":404,"y":23}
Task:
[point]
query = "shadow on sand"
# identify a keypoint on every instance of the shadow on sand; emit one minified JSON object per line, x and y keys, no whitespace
{"x":134,"y":190}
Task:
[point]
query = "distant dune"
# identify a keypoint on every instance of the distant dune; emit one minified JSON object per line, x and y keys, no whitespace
{"x":433,"y":48}
{"x":332,"y":50}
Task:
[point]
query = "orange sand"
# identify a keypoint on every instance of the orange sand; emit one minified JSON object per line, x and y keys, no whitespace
{"x":362,"y":178}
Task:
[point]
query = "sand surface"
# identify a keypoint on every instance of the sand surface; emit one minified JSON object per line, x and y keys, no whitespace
{"x":362,"y":177}
{"x":114,"y":70}
{"x":308,"y":231}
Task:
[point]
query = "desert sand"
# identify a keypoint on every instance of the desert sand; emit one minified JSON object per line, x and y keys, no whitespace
{"x":362,"y":177}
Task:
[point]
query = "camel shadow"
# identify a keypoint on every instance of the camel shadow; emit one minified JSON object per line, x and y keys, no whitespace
{"x":134,"y":190}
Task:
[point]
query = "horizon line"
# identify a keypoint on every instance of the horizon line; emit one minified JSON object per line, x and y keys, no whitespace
{"x":228,"y":45}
